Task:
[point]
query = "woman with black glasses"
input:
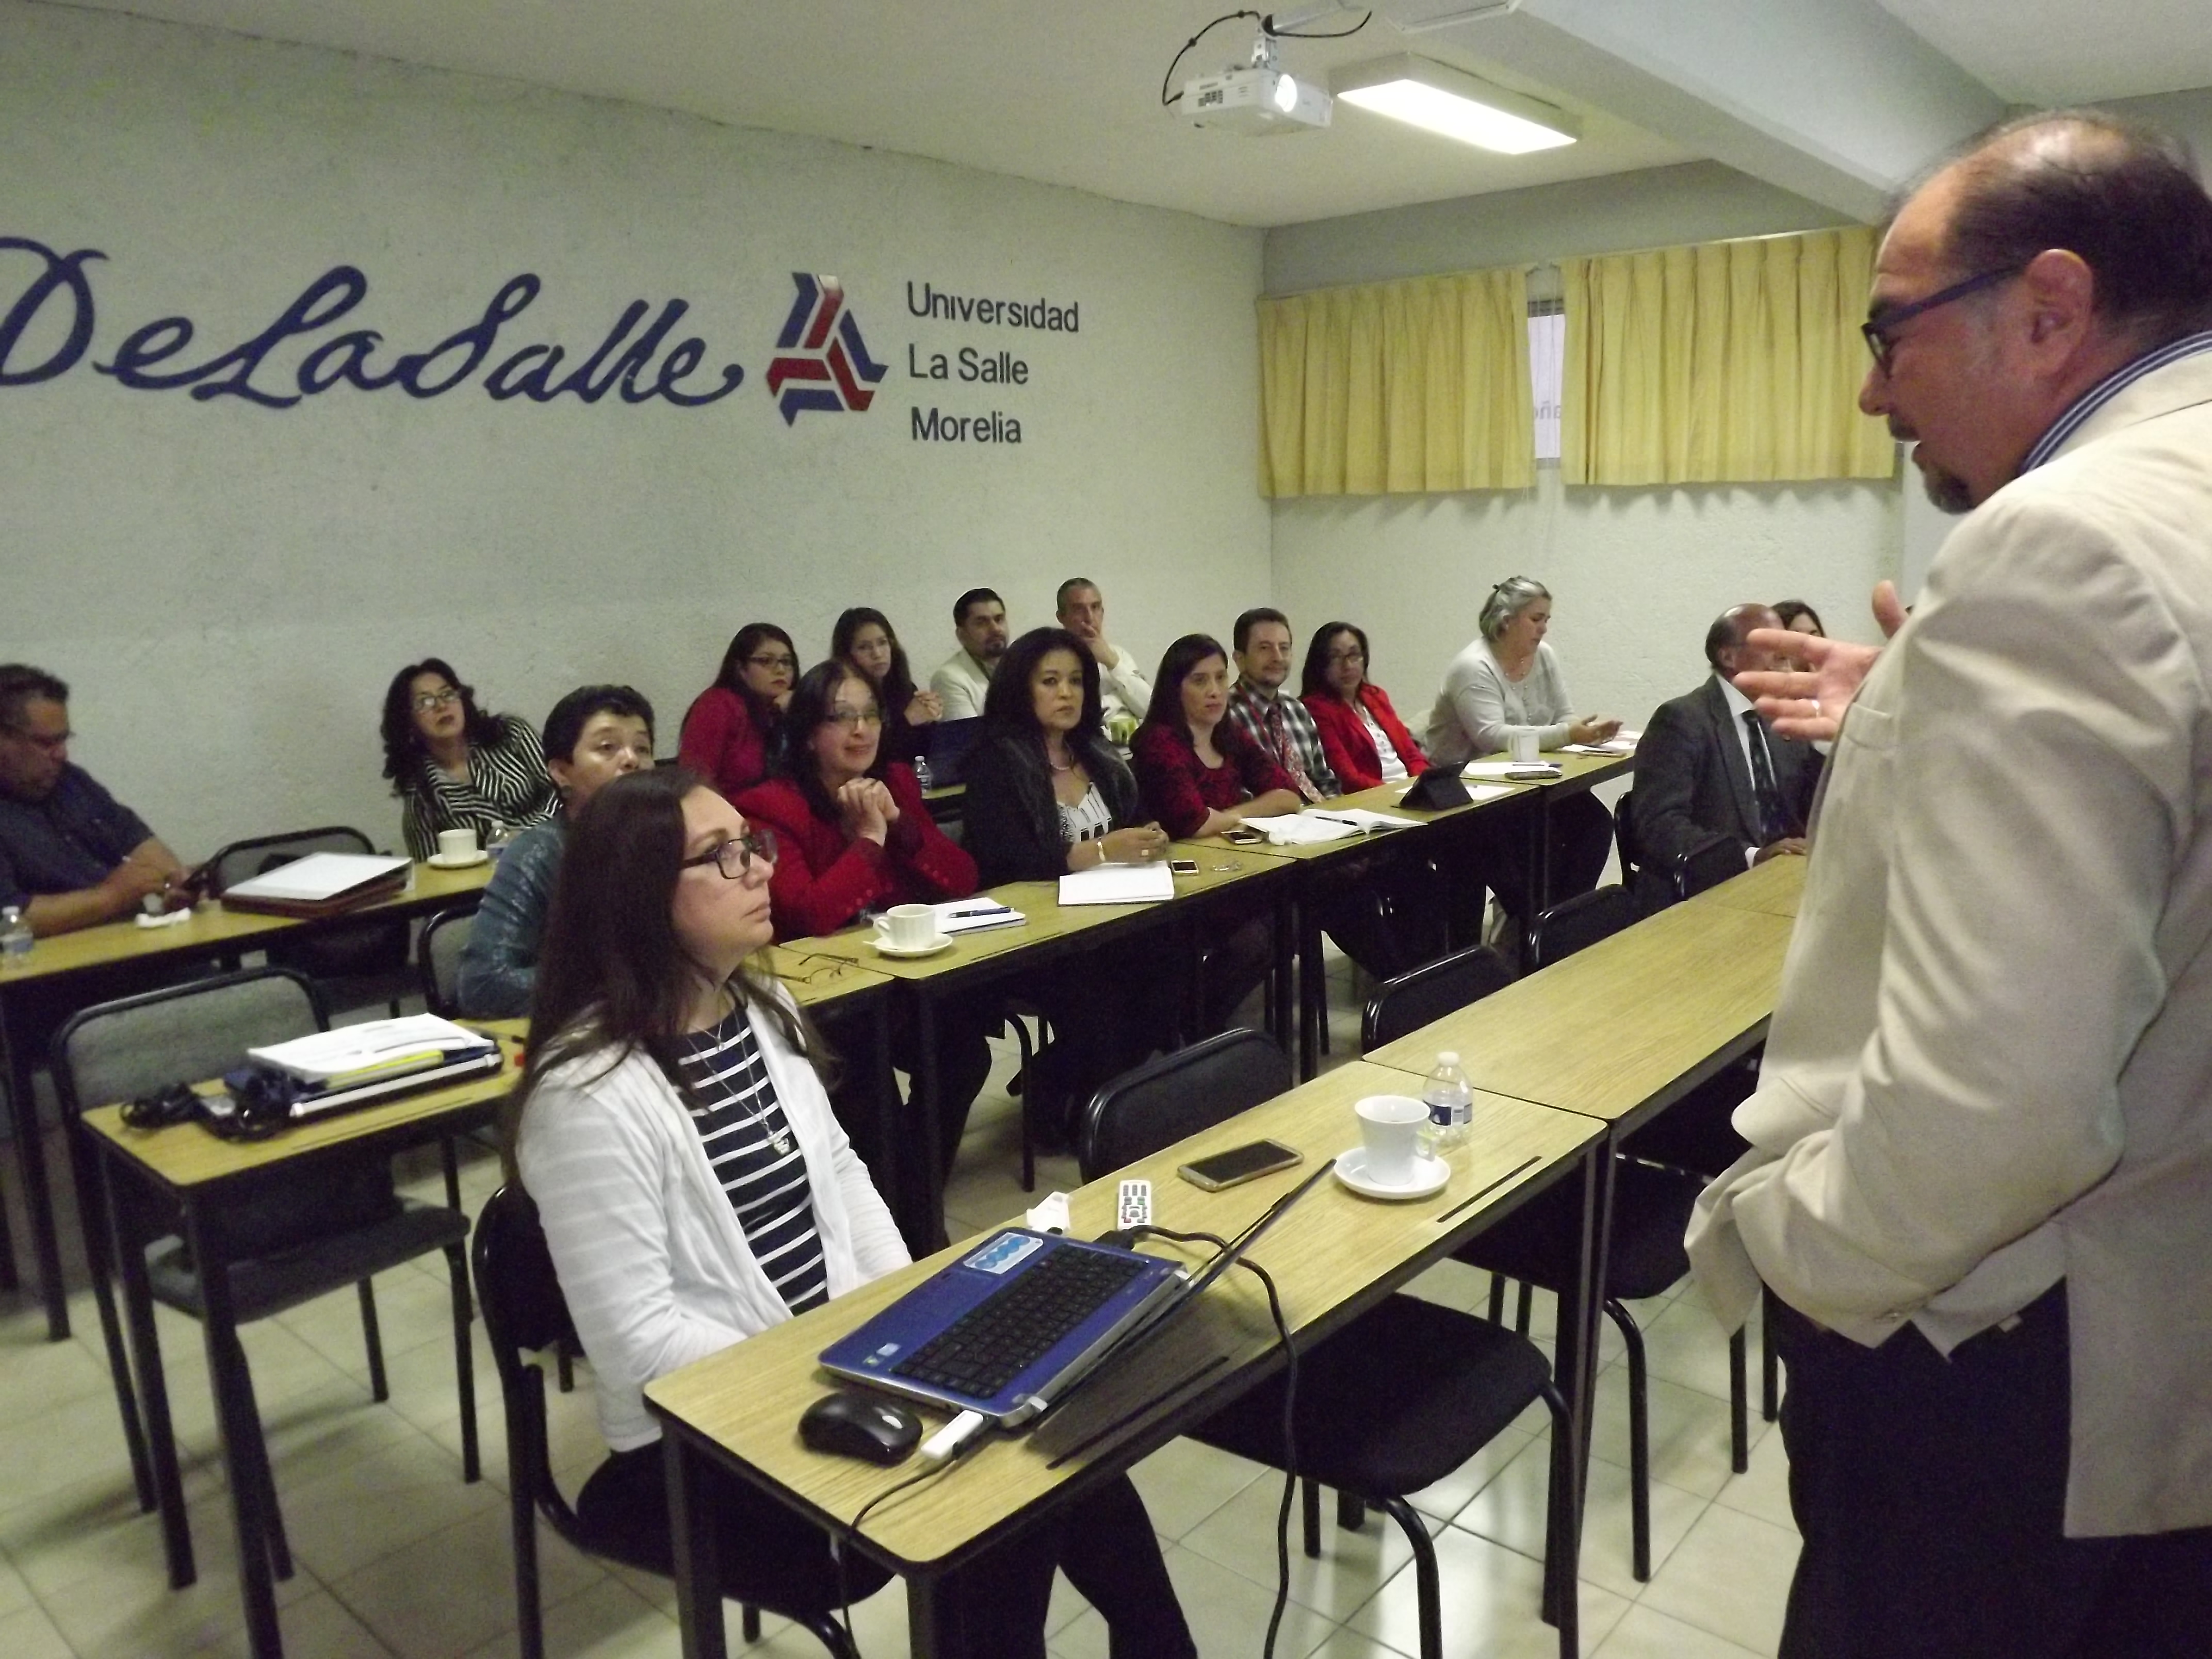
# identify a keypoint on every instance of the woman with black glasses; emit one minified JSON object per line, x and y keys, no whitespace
{"x":852,"y":837}
{"x":729,"y":730}
{"x":695,"y":1189}
{"x":455,"y":767}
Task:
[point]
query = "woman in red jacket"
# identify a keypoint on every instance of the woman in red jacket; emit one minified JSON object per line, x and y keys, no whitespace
{"x":729,"y":732}
{"x":852,"y":837}
{"x":1365,"y":741}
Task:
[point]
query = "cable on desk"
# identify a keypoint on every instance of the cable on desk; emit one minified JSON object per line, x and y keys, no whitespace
{"x":848,"y":1539}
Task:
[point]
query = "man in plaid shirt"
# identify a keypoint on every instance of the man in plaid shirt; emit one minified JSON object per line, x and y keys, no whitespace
{"x":1259,"y":709}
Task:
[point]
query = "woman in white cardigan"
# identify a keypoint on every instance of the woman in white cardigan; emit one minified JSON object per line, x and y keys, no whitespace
{"x":695,"y":1190}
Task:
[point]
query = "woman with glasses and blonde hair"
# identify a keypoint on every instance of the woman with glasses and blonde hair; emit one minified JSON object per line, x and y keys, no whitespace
{"x":852,"y":837}
{"x":455,"y":767}
{"x":695,"y":1190}
{"x":729,"y":730}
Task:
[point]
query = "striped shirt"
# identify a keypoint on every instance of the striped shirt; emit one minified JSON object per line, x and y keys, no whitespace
{"x":2079,"y":411}
{"x":1283,"y":729}
{"x":507,"y":787}
{"x":755,"y":1155}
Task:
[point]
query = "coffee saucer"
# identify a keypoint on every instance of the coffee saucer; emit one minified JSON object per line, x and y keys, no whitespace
{"x":904,"y":952}
{"x":465,"y":861}
{"x":1430,"y":1175}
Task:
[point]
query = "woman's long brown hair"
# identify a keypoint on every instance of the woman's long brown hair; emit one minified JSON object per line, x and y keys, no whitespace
{"x":613,"y":976}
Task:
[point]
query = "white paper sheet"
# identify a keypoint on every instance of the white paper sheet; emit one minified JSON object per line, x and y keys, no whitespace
{"x":1118,"y":883}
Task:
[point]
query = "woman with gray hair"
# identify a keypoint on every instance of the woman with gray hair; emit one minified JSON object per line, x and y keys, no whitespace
{"x":1505,"y":683}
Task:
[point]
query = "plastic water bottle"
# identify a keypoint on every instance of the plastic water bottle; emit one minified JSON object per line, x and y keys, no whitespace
{"x":1450,"y":1102}
{"x":15,"y":939}
{"x":921,"y":773}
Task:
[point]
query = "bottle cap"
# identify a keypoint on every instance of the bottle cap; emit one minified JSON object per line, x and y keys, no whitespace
{"x":1447,"y":1057}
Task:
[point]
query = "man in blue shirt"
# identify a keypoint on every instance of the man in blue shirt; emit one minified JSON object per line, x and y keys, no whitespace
{"x":71,"y":855}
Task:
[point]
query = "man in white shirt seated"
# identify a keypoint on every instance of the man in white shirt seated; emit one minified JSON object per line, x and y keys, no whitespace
{"x":1124,"y":693}
{"x":1709,"y":764}
{"x":979,"y":623}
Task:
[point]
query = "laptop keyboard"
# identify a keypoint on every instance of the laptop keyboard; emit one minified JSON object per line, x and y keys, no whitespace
{"x":991,"y":1344}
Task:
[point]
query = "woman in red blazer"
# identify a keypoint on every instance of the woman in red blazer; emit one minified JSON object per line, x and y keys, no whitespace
{"x":729,"y":730}
{"x":1352,"y":712}
{"x":852,"y":836}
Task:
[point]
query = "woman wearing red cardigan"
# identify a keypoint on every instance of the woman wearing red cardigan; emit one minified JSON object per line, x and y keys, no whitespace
{"x":1365,"y":741}
{"x":729,"y":730}
{"x":852,"y":837}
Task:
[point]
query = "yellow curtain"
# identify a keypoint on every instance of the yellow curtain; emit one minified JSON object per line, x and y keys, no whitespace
{"x":1731,"y":362}
{"x":1397,"y":387}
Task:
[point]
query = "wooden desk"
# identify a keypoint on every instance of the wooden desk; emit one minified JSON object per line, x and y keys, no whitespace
{"x":1775,"y":887}
{"x":1622,"y":1028}
{"x":120,"y":947}
{"x":1333,"y":1256}
{"x":202,"y":1175}
{"x":1048,"y":931}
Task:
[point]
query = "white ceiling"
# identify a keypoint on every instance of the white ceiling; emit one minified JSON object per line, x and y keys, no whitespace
{"x":1067,"y":92}
{"x":2069,"y":51}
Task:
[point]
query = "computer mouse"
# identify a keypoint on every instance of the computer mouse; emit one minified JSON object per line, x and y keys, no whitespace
{"x":850,"y":1423}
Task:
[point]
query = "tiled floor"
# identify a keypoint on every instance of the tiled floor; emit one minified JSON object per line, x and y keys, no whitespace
{"x":397,"y":1556}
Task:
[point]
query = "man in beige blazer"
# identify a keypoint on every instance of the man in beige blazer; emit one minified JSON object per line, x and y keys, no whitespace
{"x":1981,"y":1174}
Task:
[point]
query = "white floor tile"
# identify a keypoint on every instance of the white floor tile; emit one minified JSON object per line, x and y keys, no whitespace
{"x":1490,"y":1598}
{"x":1185,"y":1482}
{"x":1644,"y":1633}
{"x":342,"y":1523}
{"x":1730,"y":1576}
{"x":28,"y":1633}
{"x":1763,"y":1491}
{"x":1352,"y":1567}
{"x":1510,"y":1511}
{"x":1227,"y":1611}
{"x":472,"y":1567}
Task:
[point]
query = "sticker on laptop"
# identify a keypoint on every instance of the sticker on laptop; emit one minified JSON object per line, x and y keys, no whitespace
{"x":1005,"y":1252}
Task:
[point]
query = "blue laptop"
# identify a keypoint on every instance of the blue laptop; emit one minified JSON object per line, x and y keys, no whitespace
{"x":1017,"y":1322}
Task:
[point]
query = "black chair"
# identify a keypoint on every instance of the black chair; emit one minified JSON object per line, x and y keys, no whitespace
{"x":1386,"y":1406}
{"x":355,"y":962}
{"x":1578,"y":923}
{"x":523,"y":1313}
{"x":1425,"y":995}
{"x":1705,"y":862}
{"x":1625,"y":838}
{"x":339,"y":1226}
{"x":437,"y":959}
{"x":1539,"y":1244}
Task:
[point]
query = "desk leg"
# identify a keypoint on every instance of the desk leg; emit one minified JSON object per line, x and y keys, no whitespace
{"x":698,"y":1572}
{"x":884,"y":1081}
{"x":927,"y":1636}
{"x":31,"y":1159}
{"x":925,"y":1233}
{"x":243,"y":1459}
{"x":1538,"y":860}
{"x":1574,"y":1347}
{"x":1313,"y":987}
{"x":1280,"y":1000}
{"x":153,"y":1383}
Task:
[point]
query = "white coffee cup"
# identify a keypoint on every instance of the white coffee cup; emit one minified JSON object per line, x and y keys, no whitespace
{"x":907,"y":927}
{"x":1390,"y":1130}
{"x":457,"y":844}
{"x":1522,"y":748}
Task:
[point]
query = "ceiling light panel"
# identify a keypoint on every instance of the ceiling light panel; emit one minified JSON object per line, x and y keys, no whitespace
{"x":1459,"y":106}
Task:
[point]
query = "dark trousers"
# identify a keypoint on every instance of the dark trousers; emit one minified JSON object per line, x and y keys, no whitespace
{"x":963,"y":1059}
{"x":993,"y":1609}
{"x":1931,"y":1493}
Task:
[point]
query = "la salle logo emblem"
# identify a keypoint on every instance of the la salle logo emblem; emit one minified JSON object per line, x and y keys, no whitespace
{"x":821,"y":360}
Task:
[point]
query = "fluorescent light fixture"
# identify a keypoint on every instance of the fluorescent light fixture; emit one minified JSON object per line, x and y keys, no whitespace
{"x":1450,"y":101}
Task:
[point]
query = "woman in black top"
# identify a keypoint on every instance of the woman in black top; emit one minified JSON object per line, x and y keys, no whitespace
{"x":864,"y":637}
{"x":1047,"y":796}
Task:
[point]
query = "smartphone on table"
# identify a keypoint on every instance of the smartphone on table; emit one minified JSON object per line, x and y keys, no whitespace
{"x":1240,"y":1164}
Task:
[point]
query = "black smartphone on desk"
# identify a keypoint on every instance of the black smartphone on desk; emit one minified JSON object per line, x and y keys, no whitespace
{"x":1240,"y":1164}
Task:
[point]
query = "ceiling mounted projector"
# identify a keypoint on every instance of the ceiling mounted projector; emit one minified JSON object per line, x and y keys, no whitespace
{"x":1256,"y":102}
{"x":1442,"y":100}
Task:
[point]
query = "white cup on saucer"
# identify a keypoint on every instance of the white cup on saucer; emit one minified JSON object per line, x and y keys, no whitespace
{"x":907,"y":927}
{"x":1389,"y":1135}
{"x":456,"y":845}
{"x":1522,"y":748}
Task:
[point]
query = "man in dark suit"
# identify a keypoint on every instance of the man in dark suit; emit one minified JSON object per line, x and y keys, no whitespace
{"x":1708,"y":763}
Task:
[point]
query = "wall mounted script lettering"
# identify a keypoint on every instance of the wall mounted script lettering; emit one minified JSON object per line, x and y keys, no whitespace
{"x":146,"y":359}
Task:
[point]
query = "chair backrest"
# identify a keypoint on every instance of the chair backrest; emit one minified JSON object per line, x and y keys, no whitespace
{"x":444,"y":936}
{"x":1574,"y":924}
{"x":519,"y":1295}
{"x":1429,"y":993}
{"x":1625,"y":835}
{"x":1171,"y":1095}
{"x":180,"y":1034}
{"x":1706,"y":862}
{"x":260,"y":853}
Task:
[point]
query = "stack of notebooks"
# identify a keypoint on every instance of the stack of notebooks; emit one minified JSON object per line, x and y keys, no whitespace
{"x":319,"y":884}
{"x":362,"y":1064}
